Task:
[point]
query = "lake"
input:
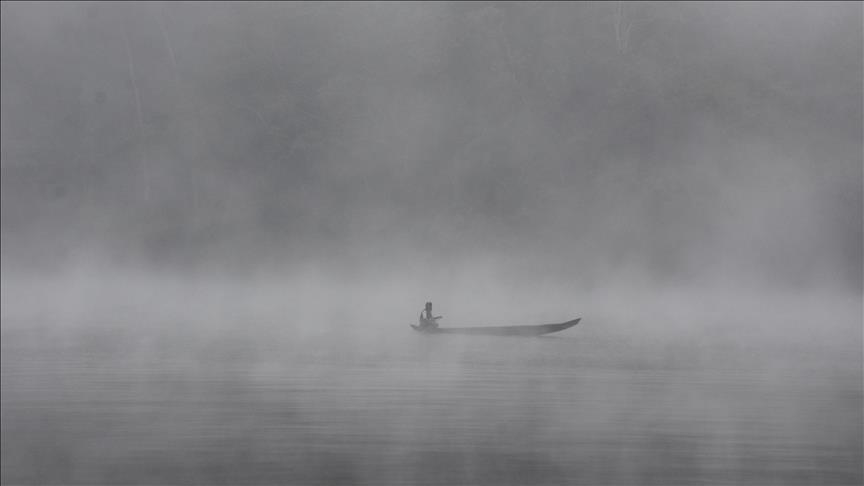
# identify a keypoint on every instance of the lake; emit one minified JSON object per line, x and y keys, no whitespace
{"x":112,"y":402}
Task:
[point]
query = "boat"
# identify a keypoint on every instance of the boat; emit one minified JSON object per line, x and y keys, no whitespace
{"x":530,"y":330}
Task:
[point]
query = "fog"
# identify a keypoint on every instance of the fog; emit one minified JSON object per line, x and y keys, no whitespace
{"x":218,"y":220}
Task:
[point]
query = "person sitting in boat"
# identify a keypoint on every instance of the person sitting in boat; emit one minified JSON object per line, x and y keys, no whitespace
{"x":427,"y":320}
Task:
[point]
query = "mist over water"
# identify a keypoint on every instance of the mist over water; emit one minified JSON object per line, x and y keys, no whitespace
{"x":219,"y":219}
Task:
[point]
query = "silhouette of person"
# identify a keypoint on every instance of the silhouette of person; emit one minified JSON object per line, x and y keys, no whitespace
{"x":426,"y":317}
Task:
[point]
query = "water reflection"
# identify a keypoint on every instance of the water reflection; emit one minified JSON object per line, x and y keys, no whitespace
{"x":88,"y":407}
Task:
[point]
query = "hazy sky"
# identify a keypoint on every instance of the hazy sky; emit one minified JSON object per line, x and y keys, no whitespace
{"x":674,"y":143}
